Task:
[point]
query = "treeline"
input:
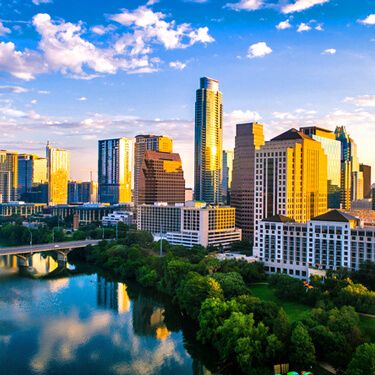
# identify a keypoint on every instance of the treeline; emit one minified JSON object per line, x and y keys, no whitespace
{"x":245,"y":331}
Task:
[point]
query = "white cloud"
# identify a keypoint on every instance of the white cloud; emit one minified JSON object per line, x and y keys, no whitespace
{"x":34,"y":101}
{"x":101,"y":30}
{"x":239,"y":116}
{"x":38,"y":2}
{"x":82,"y":99}
{"x":329,"y":51}
{"x":178,"y":65}
{"x":4,"y":30}
{"x":361,"y":101}
{"x":319,"y":28}
{"x":300,"y":5}
{"x":283,"y":25}
{"x":369,"y":20}
{"x":259,"y":49}
{"x":303,"y":27}
{"x":12,"y":89}
{"x":245,"y":5}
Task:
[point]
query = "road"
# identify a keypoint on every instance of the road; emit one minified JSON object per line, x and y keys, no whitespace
{"x":14,"y":250}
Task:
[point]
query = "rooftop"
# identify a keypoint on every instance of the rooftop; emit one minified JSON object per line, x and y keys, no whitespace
{"x":292,"y":134}
{"x":279,"y":219}
{"x":335,"y":216}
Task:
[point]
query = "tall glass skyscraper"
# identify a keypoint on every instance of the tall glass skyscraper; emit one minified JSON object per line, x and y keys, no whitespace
{"x":208,"y":141}
{"x":58,"y":171}
{"x":32,"y":170}
{"x":227,"y":172}
{"x":114,"y":170}
{"x":8,"y":176}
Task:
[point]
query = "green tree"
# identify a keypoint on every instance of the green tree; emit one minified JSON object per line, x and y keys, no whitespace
{"x":302,"y":350}
{"x":363,"y":361}
{"x":281,"y":326}
{"x":232,"y":284}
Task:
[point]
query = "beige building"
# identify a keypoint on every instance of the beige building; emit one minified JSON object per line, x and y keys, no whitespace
{"x":249,"y":138}
{"x":58,"y":171}
{"x":290,"y":178}
{"x":8,"y":176}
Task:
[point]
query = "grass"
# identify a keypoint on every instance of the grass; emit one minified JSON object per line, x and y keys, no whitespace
{"x":295,"y":311}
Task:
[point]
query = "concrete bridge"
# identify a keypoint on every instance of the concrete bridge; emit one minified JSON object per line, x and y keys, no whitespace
{"x":62,"y":249}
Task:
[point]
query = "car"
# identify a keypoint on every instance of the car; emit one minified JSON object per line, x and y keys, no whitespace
{"x":56,"y":246}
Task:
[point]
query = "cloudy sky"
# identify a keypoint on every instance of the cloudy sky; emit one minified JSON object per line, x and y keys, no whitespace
{"x":73,"y":72}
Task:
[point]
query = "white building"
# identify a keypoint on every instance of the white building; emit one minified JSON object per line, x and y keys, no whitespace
{"x":116,"y":217}
{"x":194,"y":223}
{"x":327,"y":242}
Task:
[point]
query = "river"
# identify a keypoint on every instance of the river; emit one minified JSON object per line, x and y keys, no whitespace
{"x":57,"y":319}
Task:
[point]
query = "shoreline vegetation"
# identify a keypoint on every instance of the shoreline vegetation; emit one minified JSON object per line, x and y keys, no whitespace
{"x":252,"y":321}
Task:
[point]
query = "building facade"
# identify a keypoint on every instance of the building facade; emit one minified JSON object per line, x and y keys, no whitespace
{"x":330,"y":241}
{"x":126,"y":217}
{"x":145,"y":143}
{"x":290,"y":179}
{"x":20,"y":209}
{"x":58,"y":172}
{"x":114,"y":170}
{"x":366,"y":170}
{"x":82,"y":192}
{"x":32,"y":170}
{"x":8,"y":176}
{"x":161,"y":179}
{"x":227,"y":174}
{"x":332,"y":149}
{"x":249,"y":138}
{"x":208,"y":142}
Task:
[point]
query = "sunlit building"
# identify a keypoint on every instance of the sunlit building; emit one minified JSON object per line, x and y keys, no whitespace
{"x":366,"y":170}
{"x":332,"y":149}
{"x":143,"y":143}
{"x":208,"y":142}
{"x":32,"y":170}
{"x":58,"y":172}
{"x":161,"y":179}
{"x":114,"y":170}
{"x":290,"y":178}
{"x":249,"y":138}
{"x":8,"y":176}
{"x":227,"y":174}
{"x":82,"y":192}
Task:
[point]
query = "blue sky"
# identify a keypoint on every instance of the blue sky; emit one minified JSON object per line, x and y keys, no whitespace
{"x":73,"y":72}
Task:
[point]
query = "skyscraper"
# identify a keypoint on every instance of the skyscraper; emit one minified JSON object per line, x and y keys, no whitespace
{"x":366,"y":170}
{"x":249,"y":138}
{"x":58,"y":171}
{"x":32,"y":170}
{"x":290,"y":178}
{"x":82,"y":192}
{"x":114,"y":170}
{"x":227,"y":174}
{"x":143,"y":143}
{"x":161,"y":179}
{"x":332,"y":149}
{"x":208,"y":141}
{"x":8,"y":176}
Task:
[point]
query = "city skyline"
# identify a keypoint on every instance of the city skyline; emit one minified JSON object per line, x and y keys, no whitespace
{"x":296,"y":84}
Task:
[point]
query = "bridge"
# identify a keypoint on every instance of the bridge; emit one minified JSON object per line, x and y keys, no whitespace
{"x":62,"y":249}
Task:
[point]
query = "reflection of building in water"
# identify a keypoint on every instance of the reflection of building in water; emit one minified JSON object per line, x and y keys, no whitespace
{"x":42,"y":265}
{"x":112,"y":295}
{"x":148,"y":319}
{"x":9,"y":262}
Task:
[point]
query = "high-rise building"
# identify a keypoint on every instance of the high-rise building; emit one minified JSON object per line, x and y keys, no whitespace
{"x":208,"y":141}
{"x":290,"y":178}
{"x":58,"y":172}
{"x":114,"y":170}
{"x":161,"y":179}
{"x":82,"y":192}
{"x":145,"y":143}
{"x":366,"y":170}
{"x":32,"y":170}
{"x":332,"y":149}
{"x":227,"y":175}
{"x":249,"y":138}
{"x":8,"y":176}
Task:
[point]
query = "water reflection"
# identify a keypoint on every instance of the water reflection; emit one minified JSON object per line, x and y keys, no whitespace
{"x":63,"y":320}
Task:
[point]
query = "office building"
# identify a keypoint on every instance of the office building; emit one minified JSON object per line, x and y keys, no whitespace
{"x":366,"y":170}
{"x":145,"y":143}
{"x":114,"y":170}
{"x":249,"y":138}
{"x":82,"y":192}
{"x":208,"y":142}
{"x":227,"y":174}
{"x":32,"y":170}
{"x":58,"y":171}
{"x":8,"y":176}
{"x":20,"y":209}
{"x":330,"y":241}
{"x":373,"y":197}
{"x":36,"y":194}
{"x":332,"y":149}
{"x":188,"y":194}
{"x":206,"y":226}
{"x":290,"y":178}
{"x":159,"y":218}
{"x":116,"y":217}
{"x":161,"y":179}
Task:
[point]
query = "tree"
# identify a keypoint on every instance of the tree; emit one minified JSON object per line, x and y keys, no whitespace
{"x":363,"y":361}
{"x":302,"y":351}
{"x":281,"y":326}
{"x":232,"y":284}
